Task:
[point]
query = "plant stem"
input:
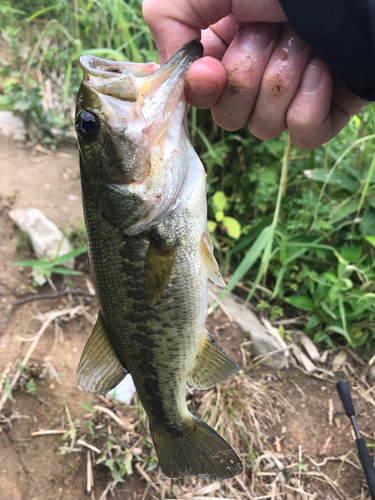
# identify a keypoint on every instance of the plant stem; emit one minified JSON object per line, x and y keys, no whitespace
{"x":366,"y":186}
{"x":283,"y":180}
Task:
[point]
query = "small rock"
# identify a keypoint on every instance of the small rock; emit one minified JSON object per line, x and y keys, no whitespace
{"x":44,"y":235}
{"x":12,"y":126}
{"x":262,"y":342}
{"x":339,"y":360}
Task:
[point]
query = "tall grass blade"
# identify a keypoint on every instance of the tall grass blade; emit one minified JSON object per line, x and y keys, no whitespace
{"x":250,"y":258}
{"x":366,"y":186}
{"x":46,"y":9}
{"x":337,"y":163}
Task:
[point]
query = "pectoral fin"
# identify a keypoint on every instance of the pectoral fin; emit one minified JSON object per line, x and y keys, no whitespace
{"x":100,"y":368}
{"x":158,"y":270}
{"x":210,"y":261}
{"x":213,"y":365}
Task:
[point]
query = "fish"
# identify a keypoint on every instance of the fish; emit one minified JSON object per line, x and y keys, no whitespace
{"x":151,"y":255}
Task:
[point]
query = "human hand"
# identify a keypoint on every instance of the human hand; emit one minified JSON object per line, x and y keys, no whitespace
{"x":255,"y":69}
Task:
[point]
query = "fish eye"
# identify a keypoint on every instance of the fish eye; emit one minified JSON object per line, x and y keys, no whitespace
{"x":87,"y":125}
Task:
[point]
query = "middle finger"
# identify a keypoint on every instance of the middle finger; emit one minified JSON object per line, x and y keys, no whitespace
{"x":244,"y":62}
{"x":279,"y":84}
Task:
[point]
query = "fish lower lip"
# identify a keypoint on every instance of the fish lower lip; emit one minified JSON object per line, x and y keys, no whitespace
{"x":194,"y":49}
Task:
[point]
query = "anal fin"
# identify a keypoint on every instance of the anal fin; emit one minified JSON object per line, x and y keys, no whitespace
{"x":213,"y":271}
{"x":213,"y":365}
{"x":100,"y":368}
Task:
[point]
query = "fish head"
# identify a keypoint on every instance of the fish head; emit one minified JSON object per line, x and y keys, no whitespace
{"x":124,"y":111}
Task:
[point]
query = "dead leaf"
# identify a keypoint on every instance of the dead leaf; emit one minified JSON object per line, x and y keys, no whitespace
{"x":339,"y":360}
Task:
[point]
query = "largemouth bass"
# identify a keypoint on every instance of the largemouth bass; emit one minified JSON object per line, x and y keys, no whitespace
{"x":144,"y":197}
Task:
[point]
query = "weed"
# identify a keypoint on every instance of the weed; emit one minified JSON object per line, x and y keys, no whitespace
{"x":31,"y":387}
{"x":43,"y":269}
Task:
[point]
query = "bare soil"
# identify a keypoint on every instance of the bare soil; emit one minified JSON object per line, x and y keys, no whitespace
{"x":311,"y":432}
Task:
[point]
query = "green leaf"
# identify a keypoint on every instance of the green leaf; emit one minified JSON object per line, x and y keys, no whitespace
{"x":70,"y":255}
{"x":330,"y":277}
{"x":328,"y":310}
{"x":233,"y":227}
{"x":8,"y":390}
{"x":366,"y":296}
{"x":64,"y":270}
{"x":266,"y":258}
{"x":250,"y":258}
{"x":321,"y":336}
{"x":110,"y":463}
{"x":352,"y":253}
{"x":349,"y":283}
{"x":313,"y":321}
{"x":30,"y":387}
{"x":219,"y":216}
{"x":337,"y":179}
{"x":343,"y":210}
{"x":343,"y":317}
{"x":219,"y":200}
{"x":46,"y":9}
{"x":301,"y":302}
{"x":371,"y":240}
{"x":211,"y":225}
{"x":252,"y":235}
{"x":268,"y":175}
{"x":341,"y":331}
{"x":367,"y":225}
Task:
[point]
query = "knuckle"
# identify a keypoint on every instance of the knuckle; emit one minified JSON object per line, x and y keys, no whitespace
{"x":276,"y":83}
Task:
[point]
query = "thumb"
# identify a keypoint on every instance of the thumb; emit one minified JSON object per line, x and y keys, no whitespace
{"x":174,"y":24}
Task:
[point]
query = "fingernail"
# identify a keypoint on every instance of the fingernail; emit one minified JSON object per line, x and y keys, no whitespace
{"x":311,"y":78}
{"x":257,"y":36}
{"x":293,"y":44}
{"x":203,"y":89}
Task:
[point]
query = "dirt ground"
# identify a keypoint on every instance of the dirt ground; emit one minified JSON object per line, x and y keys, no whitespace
{"x":308,"y":448}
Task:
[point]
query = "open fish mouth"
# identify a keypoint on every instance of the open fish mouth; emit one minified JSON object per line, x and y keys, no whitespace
{"x":132,"y":82}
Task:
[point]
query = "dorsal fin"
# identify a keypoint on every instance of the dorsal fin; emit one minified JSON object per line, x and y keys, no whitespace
{"x":100,"y":368}
{"x":210,"y":261}
{"x":213,"y":365}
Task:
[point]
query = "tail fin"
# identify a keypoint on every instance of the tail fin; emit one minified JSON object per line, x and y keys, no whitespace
{"x":193,"y":447}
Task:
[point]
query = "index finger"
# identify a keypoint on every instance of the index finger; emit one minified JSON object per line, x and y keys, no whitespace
{"x":174,"y":24}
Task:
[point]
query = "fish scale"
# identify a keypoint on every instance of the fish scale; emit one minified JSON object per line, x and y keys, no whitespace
{"x":151,"y":255}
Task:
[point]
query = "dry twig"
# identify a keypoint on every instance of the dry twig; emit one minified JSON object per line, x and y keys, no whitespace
{"x":48,"y":432}
{"x":147,"y":478}
{"x":41,"y":296}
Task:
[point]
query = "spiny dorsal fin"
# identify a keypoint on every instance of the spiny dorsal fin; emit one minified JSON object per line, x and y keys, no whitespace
{"x":213,"y":365}
{"x":100,"y":368}
{"x":210,"y":261}
{"x":158,"y":270}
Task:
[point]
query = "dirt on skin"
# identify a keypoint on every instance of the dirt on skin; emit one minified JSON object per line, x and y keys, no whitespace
{"x":33,"y":468}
